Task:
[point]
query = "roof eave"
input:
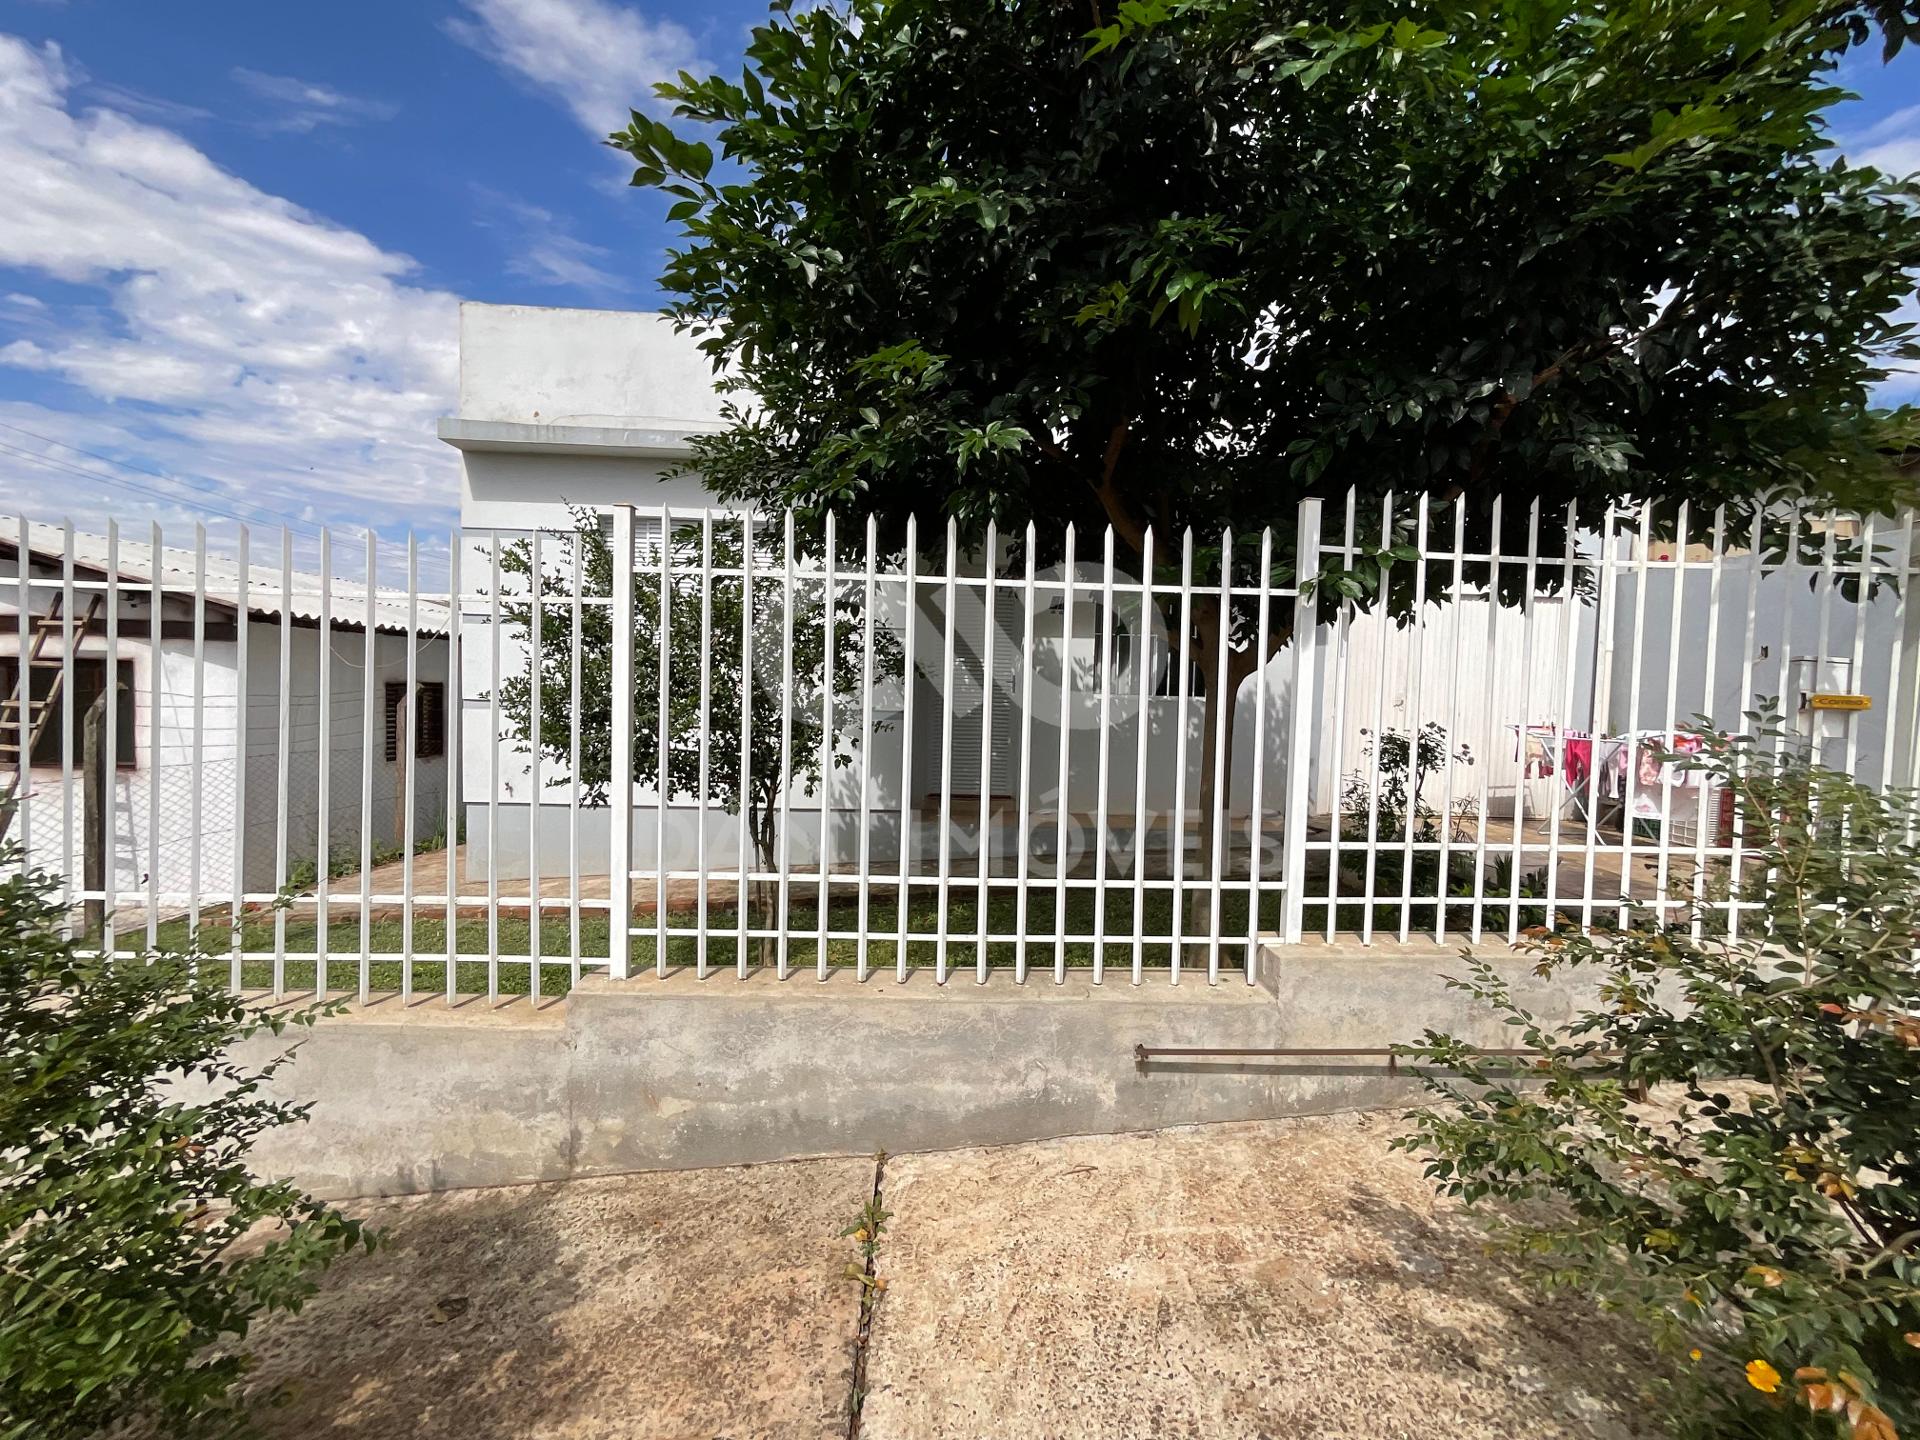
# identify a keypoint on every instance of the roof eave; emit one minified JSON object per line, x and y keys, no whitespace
{"x":513,"y":437}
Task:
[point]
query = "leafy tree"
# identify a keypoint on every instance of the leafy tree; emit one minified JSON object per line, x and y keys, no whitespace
{"x":1725,"y":1146}
{"x":124,"y":1128}
{"x":1180,"y":263}
{"x":782,"y":728}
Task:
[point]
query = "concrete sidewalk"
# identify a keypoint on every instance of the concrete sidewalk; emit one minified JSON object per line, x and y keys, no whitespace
{"x":1279,"y":1279}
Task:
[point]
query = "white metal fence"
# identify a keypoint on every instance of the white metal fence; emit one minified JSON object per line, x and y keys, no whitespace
{"x":652,"y":739}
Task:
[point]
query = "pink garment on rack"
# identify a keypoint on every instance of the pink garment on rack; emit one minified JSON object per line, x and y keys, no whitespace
{"x":1550,"y":750}
{"x":1613,"y":770}
{"x":1650,"y":763}
{"x":1646,"y":750}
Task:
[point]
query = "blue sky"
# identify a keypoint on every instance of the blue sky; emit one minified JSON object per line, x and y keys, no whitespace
{"x":238,"y":232}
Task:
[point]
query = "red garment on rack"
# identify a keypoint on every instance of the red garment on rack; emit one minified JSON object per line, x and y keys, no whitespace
{"x":1578,"y":761}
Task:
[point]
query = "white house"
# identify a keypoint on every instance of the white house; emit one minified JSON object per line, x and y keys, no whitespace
{"x":196,"y":761}
{"x":562,"y":407}
{"x":566,"y":408}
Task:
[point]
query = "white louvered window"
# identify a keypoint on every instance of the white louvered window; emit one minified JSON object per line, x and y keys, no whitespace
{"x":646,"y":538}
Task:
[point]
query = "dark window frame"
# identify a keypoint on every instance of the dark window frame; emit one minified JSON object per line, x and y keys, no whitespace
{"x":429,"y":720}
{"x":89,"y":676}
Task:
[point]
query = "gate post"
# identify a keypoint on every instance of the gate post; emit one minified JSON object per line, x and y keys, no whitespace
{"x":620,"y":768}
{"x":1300,"y":716}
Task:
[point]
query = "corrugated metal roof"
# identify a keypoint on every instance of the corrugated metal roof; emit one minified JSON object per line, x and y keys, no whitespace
{"x":136,"y":562}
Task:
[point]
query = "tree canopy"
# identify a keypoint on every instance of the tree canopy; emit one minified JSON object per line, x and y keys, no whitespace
{"x":1182,"y":262}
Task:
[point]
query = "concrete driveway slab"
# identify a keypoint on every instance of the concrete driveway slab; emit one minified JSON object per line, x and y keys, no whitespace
{"x":689,"y":1305}
{"x":1284,"y":1279}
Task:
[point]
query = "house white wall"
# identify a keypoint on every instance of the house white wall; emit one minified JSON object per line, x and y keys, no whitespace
{"x":563,"y":407}
{"x":572,"y":407}
{"x":161,"y":799}
{"x":51,"y":825}
{"x":1788,"y":613}
{"x":558,"y":408}
{"x":1477,"y":671}
{"x":520,"y":490}
{"x":582,"y":407}
{"x":545,"y":365}
{"x":1481,"y":670}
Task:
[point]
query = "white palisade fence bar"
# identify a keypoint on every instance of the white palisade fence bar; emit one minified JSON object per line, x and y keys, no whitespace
{"x":646,"y":740}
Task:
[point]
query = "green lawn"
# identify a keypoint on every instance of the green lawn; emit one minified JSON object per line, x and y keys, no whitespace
{"x":386,"y":941}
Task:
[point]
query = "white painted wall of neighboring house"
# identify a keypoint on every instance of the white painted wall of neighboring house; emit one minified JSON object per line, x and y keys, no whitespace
{"x":163,"y":676}
{"x":1480,"y":669}
{"x":595,"y":408}
{"x":51,"y":824}
{"x":346,"y":660}
{"x":1786,"y":623}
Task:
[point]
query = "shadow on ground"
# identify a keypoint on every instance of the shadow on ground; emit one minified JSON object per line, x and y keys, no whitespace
{"x":700,"y":1303}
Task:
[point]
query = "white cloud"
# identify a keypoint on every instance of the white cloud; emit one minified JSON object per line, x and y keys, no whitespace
{"x":1898,"y":157}
{"x":148,"y":107}
{"x":1891,"y":144}
{"x":1893,"y":125}
{"x":542,"y":248}
{"x":561,"y":259}
{"x":233,"y":335}
{"x":601,"y":59}
{"x":302,"y":106}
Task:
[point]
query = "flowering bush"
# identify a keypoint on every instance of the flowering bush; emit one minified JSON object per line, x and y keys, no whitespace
{"x":1727,"y":1144}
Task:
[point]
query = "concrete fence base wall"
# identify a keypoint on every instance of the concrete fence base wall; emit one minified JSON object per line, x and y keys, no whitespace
{"x":665,"y":1074}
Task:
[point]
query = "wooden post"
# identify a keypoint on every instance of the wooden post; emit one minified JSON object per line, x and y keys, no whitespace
{"x":96,"y":803}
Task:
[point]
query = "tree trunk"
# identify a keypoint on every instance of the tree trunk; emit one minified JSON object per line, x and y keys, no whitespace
{"x":1221,"y":688}
{"x":763,"y":896}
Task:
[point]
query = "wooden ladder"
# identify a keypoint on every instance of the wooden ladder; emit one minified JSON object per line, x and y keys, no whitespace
{"x":15,"y":760}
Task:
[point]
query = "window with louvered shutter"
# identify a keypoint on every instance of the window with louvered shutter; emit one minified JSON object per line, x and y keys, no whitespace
{"x":430,"y":726}
{"x":396,"y":693}
{"x":646,"y":538}
{"x":429,"y":719}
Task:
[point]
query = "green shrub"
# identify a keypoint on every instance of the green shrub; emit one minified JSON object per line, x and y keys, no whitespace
{"x":1396,"y":784}
{"x":1725,"y":1147}
{"x":124,"y":1128}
